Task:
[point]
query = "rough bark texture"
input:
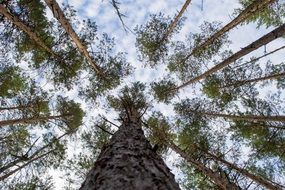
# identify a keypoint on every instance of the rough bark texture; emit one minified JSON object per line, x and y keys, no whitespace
{"x":223,"y":183}
{"x":26,"y":29}
{"x":278,"y":32}
{"x":257,"y":5}
{"x":128,"y":162}
{"x":257,"y":179}
{"x":58,"y":14}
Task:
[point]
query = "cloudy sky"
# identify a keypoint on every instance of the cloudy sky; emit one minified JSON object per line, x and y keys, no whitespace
{"x":138,"y":12}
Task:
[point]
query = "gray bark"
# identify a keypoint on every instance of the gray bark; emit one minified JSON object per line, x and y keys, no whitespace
{"x":128,"y":162}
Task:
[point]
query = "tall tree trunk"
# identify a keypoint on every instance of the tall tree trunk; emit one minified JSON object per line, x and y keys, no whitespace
{"x":223,"y":183}
{"x":242,"y":82}
{"x":278,"y":32}
{"x":280,"y":118}
{"x":175,"y":21}
{"x":257,"y":179}
{"x":59,"y":15}
{"x":255,"y":6}
{"x":30,"y":120}
{"x":17,"y":22}
{"x":128,"y":162}
{"x":24,"y":165}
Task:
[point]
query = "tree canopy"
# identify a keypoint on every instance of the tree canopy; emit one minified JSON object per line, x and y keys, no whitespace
{"x":208,"y":89}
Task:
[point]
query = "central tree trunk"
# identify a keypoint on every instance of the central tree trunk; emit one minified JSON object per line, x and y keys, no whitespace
{"x":128,"y":162}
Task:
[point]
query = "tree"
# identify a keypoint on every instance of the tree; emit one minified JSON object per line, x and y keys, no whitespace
{"x":129,"y":152}
{"x":58,"y":14}
{"x":225,"y":130}
{"x":278,"y":32}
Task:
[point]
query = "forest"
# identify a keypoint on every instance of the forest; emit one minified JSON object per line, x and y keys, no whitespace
{"x":123,"y":94}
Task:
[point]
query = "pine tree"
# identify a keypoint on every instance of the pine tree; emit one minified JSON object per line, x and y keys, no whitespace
{"x":225,"y":132}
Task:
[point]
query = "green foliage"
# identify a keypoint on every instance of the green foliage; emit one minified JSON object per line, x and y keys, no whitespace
{"x":211,"y":86}
{"x":34,"y":183}
{"x":186,"y":66}
{"x":11,"y":81}
{"x":194,"y":179}
{"x":164,"y":90}
{"x":262,"y":137}
{"x":207,"y":30}
{"x":71,"y":112}
{"x":114,"y":68}
{"x":159,"y":131}
{"x":32,"y":13}
{"x":272,"y":15}
{"x":151,"y":41}
{"x":129,"y":96}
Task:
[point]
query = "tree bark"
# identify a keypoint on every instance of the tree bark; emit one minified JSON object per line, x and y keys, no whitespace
{"x":278,"y":32}
{"x":59,"y":15}
{"x":128,"y":162}
{"x":17,"y":22}
{"x":251,"y":9}
{"x":175,"y":21}
{"x":242,"y":82}
{"x":30,"y":120}
{"x":223,"y":183}
{"x":257,"y":179}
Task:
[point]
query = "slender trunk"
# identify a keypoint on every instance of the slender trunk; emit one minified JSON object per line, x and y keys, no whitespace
{"x":17,"y":22}
{"x":255,"y":6}
{"x":19,"y":160}
{"x":59,"y":15}
{"x":280,"y":118}
{"x":257,"y":179}
{"x":24,"y":165}
{"x":22,"y":107}
{"x":223,"y":183}
{"x":242,"y":82}
{"x":278,"y":32}
{"x":29,"y":120}
{"x":258,"y":58}
{"x":128,"y":162}
{"x":175,"y":21}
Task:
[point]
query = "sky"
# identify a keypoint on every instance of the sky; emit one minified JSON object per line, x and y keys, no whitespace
{"x":138,"y":12}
